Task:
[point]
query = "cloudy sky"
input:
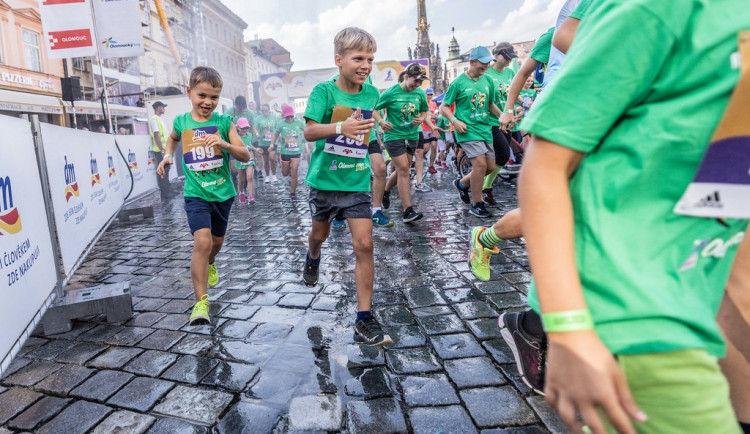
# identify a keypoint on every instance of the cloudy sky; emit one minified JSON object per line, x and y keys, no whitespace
{"x":307,"y":27}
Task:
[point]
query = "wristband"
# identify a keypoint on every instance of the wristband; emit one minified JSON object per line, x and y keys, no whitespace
{"x":170,"y":156}
{"x":453,"y":119}
{"x":379,"y":121}
{"x":567,"y":321}
{"x":338,"y":127}
{"x":509,"y":111}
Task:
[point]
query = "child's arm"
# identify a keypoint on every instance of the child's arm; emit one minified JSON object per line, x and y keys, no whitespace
{"x":385,"y":125}
{"x":351,"y":128}
{"x":168,"y":159}
{"x":582,"y":374}
{"x":235,"y":147}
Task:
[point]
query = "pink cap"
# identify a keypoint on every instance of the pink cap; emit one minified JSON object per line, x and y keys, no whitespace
{"x":287,"y":110}
{"x":243,"y":123}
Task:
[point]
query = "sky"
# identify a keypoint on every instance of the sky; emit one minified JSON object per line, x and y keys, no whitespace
{"x":306,"y":27}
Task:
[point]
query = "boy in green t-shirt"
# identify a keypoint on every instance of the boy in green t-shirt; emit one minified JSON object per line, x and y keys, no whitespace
{"x":339,"y":120}
{"x":628,"y":289}
{"x":208,"y":139}
{"x":289,"y":134}
{"x":474,"y":94}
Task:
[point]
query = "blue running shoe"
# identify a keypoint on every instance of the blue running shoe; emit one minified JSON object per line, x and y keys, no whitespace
{"x":381,"y":220}
{"x":339,"y":224}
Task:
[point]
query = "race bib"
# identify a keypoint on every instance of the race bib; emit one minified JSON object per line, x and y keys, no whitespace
{"x":342,"y":145}
{"x":291,"y":142}
{"x":721,"y":186}
{"x":267,"y":136}
{"x":197,"y":156}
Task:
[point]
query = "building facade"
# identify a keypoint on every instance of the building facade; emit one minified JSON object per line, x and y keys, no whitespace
{"x":264,"y":56}
{"x":458,"y":62}
{"x":222,"y":42}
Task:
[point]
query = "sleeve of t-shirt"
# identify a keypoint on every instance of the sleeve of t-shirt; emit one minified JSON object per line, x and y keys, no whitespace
{"x":423,"y":106}
{"x":579,"y":120}
{"x":580,"y":11}
{"x":541,"y":49}
{"x":317,"y":104}
{"x":225,"y":124}
{"x":493,"y":91}
{"x":450,"y":95}
{"x":383,"y":100}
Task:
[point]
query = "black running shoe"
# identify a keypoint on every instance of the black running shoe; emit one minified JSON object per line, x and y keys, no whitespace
{"x":479,"y":210}
{"x":465,"y":195}
{"x":529,"y":352}
{"x":310,"y":273}
{"x":488,"y":197}
{"x":410,"y":215}
{"x":369,"y":332}
{"x":386,"y":199}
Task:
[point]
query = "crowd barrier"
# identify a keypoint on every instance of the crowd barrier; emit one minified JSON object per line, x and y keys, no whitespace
{"x":60,"y":189}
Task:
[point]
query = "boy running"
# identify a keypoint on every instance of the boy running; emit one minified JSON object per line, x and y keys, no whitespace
{"x":208,"y":139}
{"x":289,"y":133}
{"x":339,"y":120}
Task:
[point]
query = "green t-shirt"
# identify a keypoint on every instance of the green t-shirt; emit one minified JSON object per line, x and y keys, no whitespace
{"x":291,"y":136}
{"x":266,"y":126}
{"x":580,"y":10}
{"x":330,"y":171}
{"x":472,"y":98}
{"x":445,"y":124}
{"x":236,"y":115}
{"x":502,"y":81}
{"x":653,"y":280}
{"x":402,"y":107}
{"x":543,"y":45}
{"x":215,"y":183}
{"x":527,"y":96}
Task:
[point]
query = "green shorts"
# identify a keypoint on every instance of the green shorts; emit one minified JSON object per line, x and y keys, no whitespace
{"x":680,"y":391}
{"x":242,"y":166}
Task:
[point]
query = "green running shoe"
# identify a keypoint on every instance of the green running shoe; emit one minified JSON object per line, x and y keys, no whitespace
{"x":479,"y":256}
{"x":213,"y":275}
{"x":200,"y":312}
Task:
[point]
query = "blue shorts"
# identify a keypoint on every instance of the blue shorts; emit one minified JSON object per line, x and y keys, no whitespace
{"x":204,"y":214}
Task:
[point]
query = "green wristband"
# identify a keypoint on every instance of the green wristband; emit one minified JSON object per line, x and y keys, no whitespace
{"x":567,"y":321}
{"x":170,"y":156}
{"x":509,"y":111}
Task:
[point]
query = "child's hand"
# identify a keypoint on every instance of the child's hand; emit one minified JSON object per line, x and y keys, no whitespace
{"x":386,"y":126}
{"x":506,"y":121}
{"x":355,"y":129}
{"x":216,"y":141}
{"x":460,"y":126}
{"x":162,"y":169}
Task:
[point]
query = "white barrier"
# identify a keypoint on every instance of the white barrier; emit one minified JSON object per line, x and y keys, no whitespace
{"x":142,"y":162}
{"x":27,"y":261}
{"x":87,"y":186}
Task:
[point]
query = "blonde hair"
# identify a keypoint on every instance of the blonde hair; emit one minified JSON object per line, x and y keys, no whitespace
{"x":353,"y":38}
{"x":205,"y":74}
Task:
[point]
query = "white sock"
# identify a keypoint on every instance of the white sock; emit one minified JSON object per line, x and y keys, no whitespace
{"x":375,"y":209}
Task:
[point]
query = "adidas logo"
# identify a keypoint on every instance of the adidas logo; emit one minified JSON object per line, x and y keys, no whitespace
{"x":711,"y":201}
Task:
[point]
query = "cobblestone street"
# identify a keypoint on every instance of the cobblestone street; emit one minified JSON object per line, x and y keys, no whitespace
{"x":279,"y":356}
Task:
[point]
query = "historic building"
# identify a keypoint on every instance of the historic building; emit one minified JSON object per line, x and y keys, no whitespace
{"x":425,"y":49}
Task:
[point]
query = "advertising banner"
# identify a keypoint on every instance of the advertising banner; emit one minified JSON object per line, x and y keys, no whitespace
{"x":68,"y":28}
{"x":118,"y":27}
{"x":142,"y":162}
{"x":86,"y":186}
{"x":27,"y":266}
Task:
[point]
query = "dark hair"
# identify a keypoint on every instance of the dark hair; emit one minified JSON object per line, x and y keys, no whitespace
{"x":240,"y":102}
{"x":205,"y":74}
{"x":401,"y":76}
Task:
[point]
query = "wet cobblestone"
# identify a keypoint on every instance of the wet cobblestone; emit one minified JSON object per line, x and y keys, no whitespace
{"x":276,"y":348}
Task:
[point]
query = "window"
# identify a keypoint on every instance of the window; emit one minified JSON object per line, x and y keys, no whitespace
{"x":2,"y":61}
{"x":31,"y":50}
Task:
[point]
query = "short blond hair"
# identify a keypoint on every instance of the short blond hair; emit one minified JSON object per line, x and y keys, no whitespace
{"x":353,"y":38}
{"x":205,"y":74}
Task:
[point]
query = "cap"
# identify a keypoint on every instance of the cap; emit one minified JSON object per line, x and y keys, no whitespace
{"x":158,"y":104}
{"x":243,"y":123}
{"x":506,"y":50}
{"x":287,"y":110}
{"x":481,"y":54}
{"x":429,"y":91}
{"x":417,"y":71}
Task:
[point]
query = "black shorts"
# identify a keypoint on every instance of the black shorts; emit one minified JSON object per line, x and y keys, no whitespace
{"x":501,"y":145}
{"x":327,"y":205}
{"x":204,"y":214}
{"x":374,"y":148}
{"x":397,"y":148}
{"x":286,"y":157}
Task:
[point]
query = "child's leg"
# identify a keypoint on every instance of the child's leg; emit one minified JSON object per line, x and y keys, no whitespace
{"x":364,"y":269}
{"x":285,"y":168}
{"x":249,"y":180}
{"x":202,"y":252}
{"x":242,"y":178}
{"x":378,"y":178}
{"x":272,"y":161}
{"x":294,"y":167}
{"x":419,"y":163}
{"x":318,"y":234}
{"x":216,"y":243}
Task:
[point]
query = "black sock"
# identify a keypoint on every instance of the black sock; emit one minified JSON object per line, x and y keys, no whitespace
{"x":532,"y":324}
{"x":745,"y":427}
{"x":362,"y":314}
{"x":311,"y":260}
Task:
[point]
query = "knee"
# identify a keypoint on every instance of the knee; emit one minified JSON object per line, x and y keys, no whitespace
{"x":202,"y":243}
{"x":479,"y":164}
{"x":378,"y":170}
{"x":362,"y":247}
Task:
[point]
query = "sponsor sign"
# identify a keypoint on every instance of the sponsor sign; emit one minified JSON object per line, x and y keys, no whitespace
{"x":342,"y":145}
{"x":27,"y":268}
{"x":86,"y":192}
{"x":141,"y":161}
{"x":118,"y":27}
{"x":68,"y":28}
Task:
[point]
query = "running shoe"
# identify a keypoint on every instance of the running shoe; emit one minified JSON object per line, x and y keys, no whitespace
{"x":242,"y":198}
{"x":432,"y":169}
{"x":267,"y":180}
{"x":479,"y":210}
{"x":488,"y":197}
{"x":250,"y":198}
{"x":463,"y":194}
{"x":479,"y":256}
{"x":381,"y":220}
{"x":421,"y":186}
{"x":410,"y":215}
{"x":339,"y":224}
{"x":529,"y":352}
{"x":443,"y":165}
{"x":213,"y":275}
{"x":200,"y":312}
{"x":293,"y":196}
{"x":310,"y":273}
{"x":386,"y":199}
{"x":369,"y":332}
{"x":274,"y":179}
